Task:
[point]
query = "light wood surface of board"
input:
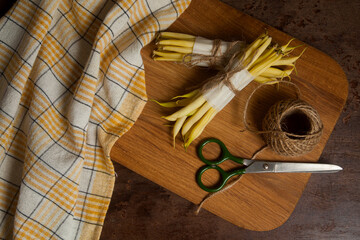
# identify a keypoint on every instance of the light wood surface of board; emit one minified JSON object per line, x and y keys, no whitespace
{"x":258,"y":202}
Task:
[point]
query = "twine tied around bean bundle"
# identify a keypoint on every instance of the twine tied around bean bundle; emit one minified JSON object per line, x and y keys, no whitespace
{"x":216,"y":59}
{"x":234,"y":64}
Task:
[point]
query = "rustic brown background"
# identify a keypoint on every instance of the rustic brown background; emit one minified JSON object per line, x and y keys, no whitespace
{"x":330,"y":205}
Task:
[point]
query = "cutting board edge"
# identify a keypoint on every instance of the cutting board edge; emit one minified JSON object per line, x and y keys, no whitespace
{"x":285,"y":219}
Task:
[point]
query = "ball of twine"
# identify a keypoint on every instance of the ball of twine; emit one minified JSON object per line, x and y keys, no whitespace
{"x":291,"y":127}
{"x":292,"y":142}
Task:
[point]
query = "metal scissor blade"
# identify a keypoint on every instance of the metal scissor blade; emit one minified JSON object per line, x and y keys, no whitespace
{"x":288,"y":167}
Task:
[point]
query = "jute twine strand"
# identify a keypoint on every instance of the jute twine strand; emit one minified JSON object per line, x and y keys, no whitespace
{"x":235,"y":65}
{"x":231,"y":183}
{"x":225,"y":73}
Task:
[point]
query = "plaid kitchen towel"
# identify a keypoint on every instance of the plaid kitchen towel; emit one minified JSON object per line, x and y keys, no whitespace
{"x":72,"y":81}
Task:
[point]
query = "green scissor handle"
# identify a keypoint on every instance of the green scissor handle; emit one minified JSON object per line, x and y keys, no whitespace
{"x":213,"y":164}
{"x":225,"y":176}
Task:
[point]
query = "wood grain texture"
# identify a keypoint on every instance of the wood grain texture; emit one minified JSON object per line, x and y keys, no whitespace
{"x":257,"y":202}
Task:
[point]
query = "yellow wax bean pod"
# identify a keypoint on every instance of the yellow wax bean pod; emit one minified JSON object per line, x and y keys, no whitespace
{"x":266,"y":54}
{"x":272,"y":72}
{"x":177,"y":126}
{"x":168,"y":54}
{"x":259,"y":68}
{"x":176,"y":35}
{"x":175,"y":42}
{"x":165,"y":104}
{"x":187,"y":95}
{"x":183,"y":102}
{"x":290,"y":49}
{"x":289,"y":60}
{"x":194,"y":118}
{"x":178,"y":103}
{"x":253,"y":46}
{"x":253,"y":57}
{"x":198,"y":102}
{"x":261,"y":79}
{"x":199,"y":127}
{"x":168,"y":59}
{"x":185,"y":50}
{"x":284,"y":47}
{"x":286,"y":61}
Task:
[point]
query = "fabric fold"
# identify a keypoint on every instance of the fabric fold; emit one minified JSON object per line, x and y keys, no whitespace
{"x":72,"y":82}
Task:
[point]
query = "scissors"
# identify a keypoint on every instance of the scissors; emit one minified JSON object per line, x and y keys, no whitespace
{"x":250,"y":166}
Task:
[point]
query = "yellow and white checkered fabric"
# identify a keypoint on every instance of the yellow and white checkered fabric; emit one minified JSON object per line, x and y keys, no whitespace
{"x":72,"y":81}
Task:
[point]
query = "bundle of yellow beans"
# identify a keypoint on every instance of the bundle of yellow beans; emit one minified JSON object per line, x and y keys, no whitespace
{"x":261,"y":61}
{"x":179,"y":47}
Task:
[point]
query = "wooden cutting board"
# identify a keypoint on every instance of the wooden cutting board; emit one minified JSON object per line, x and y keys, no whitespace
{"x":259,"y":201}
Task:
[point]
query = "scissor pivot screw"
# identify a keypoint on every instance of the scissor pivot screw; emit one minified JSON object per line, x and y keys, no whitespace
{"x":266,"y":166}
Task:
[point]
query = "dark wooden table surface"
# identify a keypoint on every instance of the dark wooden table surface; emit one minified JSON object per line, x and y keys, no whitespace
{"x":330,"y":205}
